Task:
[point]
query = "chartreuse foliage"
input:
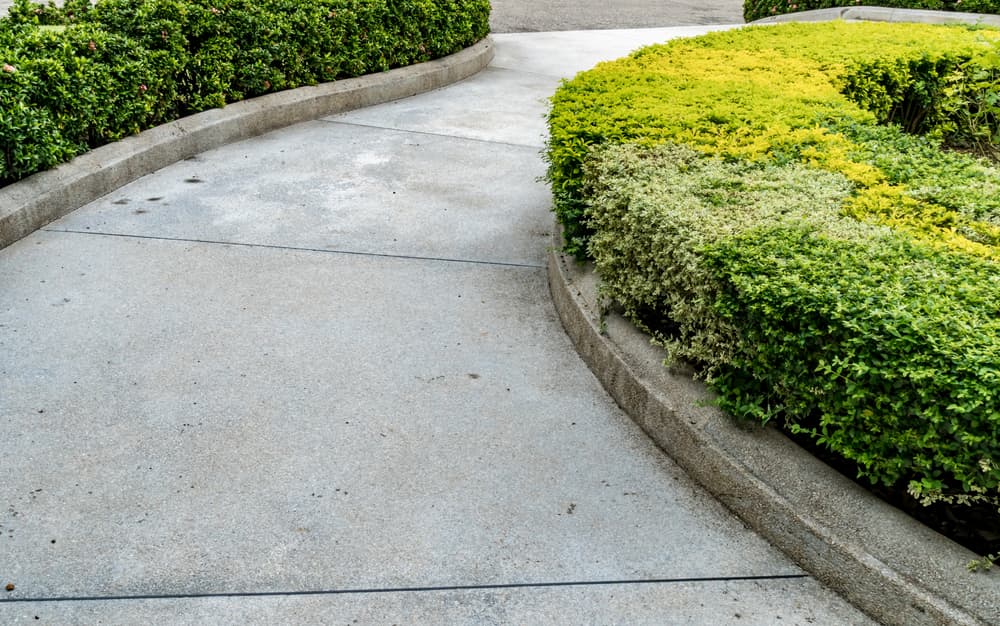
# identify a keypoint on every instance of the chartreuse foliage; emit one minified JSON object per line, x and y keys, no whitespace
{"x":78,"y":76}
{"x":776,"y":206}
{"x":796,"y":92}
{"x":757,"y":9}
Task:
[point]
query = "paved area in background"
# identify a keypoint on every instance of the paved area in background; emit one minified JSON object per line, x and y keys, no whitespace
{"x":513,"y":16}
{"x":325,"y":361}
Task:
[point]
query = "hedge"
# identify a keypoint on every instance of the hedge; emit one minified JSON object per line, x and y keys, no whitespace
{"x":809,"y":92}
{"x":758,"y":9}
{"x":776,"y":206}
{"x":76,"y":77}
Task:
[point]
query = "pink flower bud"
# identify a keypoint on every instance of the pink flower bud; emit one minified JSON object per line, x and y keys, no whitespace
{"x":143,"y":88}
{"x":10,"y":69}
{"x":92,"y":46}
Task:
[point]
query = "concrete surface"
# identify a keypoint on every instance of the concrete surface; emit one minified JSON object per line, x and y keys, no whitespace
{"x":260,"y":386}
{"x":512,"y":16}
{"x":760,"y":602}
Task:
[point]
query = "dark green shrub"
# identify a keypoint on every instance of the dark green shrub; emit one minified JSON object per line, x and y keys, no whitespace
{"x":758,"y":9}
{"x":29,"y":137}
{"x":974,"y":6}
{"x":884,"y":351}
{"x":233,"y":49}
{"x":28,"y":12}
{"x":79,"y":88}
{"x":85,"y":76}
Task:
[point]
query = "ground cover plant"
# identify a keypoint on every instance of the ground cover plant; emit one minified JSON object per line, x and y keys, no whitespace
{"x":75,"y":77}
{"x":757,"y":9}
{"x":809,"y":214}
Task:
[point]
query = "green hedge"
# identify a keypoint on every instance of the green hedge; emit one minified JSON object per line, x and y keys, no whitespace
{"x":77,"y":77}
{"x":757,"y":9}
{"x":776,"y":206}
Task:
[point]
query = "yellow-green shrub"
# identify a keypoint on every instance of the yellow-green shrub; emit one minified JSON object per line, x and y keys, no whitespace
{"x":778,"y":93}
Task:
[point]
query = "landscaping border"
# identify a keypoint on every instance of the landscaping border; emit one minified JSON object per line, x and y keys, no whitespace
{"x":881,"y":560}
{"x":882,"y":14}
{"x":30,"y":204}
{"x":889,"y":565}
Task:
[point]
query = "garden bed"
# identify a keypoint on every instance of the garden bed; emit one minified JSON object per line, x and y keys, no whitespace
{"x":759,"y":9}
{"x":809,"y":214}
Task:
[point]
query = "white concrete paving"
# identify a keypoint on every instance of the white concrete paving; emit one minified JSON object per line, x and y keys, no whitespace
{"x":331,"y":365}
{"x":341,"y":186}
{"x":734,"y":603}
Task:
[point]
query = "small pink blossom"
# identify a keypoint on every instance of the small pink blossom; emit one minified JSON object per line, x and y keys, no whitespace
{"x":143,"y":88}
{"x":10,"y":69}
{"x":92,"y":46}
{"x":214,"y":11}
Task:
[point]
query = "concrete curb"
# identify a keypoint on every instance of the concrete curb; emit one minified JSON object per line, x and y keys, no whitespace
{"x":887,"y":564}
{"x":32,"y":203}
{"x":883,"y":14}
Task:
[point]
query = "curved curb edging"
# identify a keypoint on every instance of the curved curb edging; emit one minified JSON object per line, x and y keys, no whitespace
{"x":887,"y":564}
{"x":30,"y":204}
{"x":883,"y":14}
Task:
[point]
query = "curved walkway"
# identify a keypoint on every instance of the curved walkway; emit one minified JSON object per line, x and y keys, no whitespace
{"x":316,"y":376}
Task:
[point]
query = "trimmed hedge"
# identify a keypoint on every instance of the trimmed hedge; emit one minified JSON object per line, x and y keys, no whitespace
{"x":814,"y":93}
{"x":78,"y":77}
{"x":754,"y":200}
{"x":758,"y":9}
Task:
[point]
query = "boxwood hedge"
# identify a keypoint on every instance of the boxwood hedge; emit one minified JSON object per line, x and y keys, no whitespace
{"x":779,"y":205}
{"x":757,"y":9}
{"x":76,"y":77}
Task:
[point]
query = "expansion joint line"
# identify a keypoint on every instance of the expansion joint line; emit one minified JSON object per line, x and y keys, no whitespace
{"x":386,"y":590}
{"x":264,"y":246}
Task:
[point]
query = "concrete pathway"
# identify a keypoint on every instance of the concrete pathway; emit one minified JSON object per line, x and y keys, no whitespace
{"x":514,"y":16}
{"x":316,"y":377}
